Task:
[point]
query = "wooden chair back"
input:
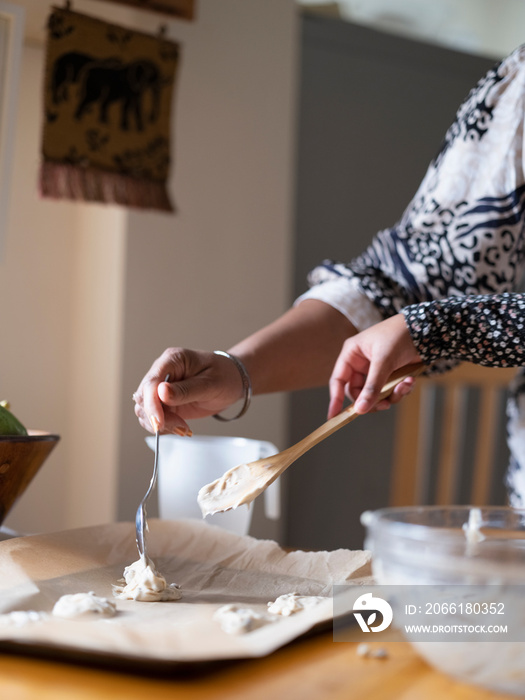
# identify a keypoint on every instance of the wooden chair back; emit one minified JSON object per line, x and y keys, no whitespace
{"x":417,"y":450}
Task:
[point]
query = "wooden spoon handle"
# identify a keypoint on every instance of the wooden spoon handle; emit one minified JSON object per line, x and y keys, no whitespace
{"x":348,"y":414}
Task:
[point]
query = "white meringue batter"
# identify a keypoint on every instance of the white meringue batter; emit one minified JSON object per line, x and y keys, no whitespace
{"x":143,"y":582}
{"x":83,"y":604}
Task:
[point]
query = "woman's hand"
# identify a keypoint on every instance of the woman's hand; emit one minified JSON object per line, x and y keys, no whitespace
{"x":200,"y":384}
{"x":365,"y":363}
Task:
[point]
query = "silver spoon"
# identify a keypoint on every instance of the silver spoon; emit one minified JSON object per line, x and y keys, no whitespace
{"x":141,"y":523}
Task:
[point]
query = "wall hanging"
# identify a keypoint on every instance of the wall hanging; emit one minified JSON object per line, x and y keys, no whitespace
{"x":183,"y":9}
{"x":107,"y":112}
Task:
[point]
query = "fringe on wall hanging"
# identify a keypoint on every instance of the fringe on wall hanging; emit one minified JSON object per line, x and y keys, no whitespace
{"x":107,"y":113}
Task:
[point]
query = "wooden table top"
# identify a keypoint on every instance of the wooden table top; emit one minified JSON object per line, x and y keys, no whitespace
{"x":313,"y":668}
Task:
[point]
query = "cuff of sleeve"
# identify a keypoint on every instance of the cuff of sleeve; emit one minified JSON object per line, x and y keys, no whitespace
{"x":345,"y":295}
{"x":431,"y":327}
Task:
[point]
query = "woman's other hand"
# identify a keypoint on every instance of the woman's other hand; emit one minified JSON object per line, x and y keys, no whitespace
{"x":365,"y":363}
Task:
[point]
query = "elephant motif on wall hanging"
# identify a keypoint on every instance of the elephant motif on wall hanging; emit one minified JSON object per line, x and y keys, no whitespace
{"x":103,"y":83}
{"x":108,"y":94}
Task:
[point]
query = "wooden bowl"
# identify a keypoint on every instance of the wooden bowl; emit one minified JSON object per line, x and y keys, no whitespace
{"x":21,"y":456}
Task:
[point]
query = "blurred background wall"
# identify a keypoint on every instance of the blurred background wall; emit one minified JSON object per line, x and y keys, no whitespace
{"x":93,"y":294}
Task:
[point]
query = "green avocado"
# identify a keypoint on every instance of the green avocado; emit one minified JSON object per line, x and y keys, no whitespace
{"x":9,"y":424}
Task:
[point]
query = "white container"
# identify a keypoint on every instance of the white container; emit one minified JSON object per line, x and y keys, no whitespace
{"x":187,"y":464}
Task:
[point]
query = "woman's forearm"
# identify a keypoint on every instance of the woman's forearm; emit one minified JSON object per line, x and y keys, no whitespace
{"x":297,"y":351}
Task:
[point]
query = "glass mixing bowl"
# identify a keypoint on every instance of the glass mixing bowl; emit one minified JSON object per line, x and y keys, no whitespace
{"x":456,"y":544}
{"x":458,"y":548}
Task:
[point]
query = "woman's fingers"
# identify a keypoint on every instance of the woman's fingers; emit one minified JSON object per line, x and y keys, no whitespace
{"x":348,"y":375}
{"x":365,"y":363}
{"x":172,"y":421}
{"x":200,"y":384}
{"x":368,"y":397}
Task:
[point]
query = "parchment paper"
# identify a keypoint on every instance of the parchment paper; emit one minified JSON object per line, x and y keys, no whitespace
{"x":212,"y":566}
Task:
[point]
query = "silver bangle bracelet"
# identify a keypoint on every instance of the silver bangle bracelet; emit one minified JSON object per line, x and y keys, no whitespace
{"x":246,"y":385}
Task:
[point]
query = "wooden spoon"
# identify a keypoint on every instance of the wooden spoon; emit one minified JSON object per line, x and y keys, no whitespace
{"x":245,"y":482}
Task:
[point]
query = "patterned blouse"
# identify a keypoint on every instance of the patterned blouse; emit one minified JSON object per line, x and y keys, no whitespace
{"x":463,"y":232}
{"x":485,"y":329}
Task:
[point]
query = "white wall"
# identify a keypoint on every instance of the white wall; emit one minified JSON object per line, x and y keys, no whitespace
{"x":221,"y":268}
{"x":95,"y":361}
{"x":36,"y":276}
{"x":92,"y":294}
{"x":61,"y":282}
